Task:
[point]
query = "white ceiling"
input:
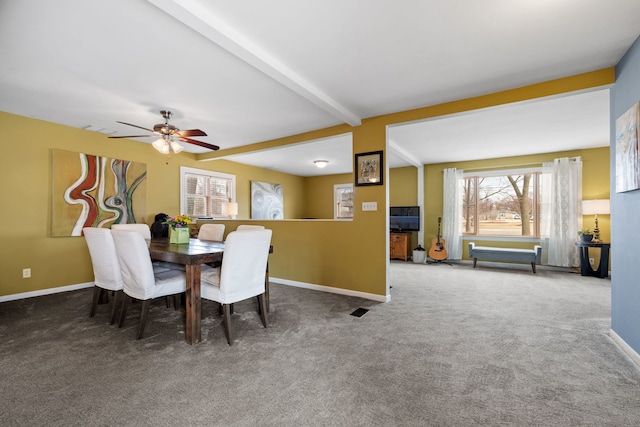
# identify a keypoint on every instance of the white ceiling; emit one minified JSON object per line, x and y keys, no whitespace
{"x":249,"y":71}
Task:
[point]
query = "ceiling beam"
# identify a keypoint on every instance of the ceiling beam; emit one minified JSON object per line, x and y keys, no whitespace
{"x":201,"y":20}
{"x":404,"y":154}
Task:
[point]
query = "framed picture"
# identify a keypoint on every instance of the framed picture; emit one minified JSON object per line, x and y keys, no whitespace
{"x":266,"y":200}
{"x":628,"y":150}
{"x":368,"y":167}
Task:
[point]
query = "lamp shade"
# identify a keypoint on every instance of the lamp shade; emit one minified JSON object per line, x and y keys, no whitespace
{"x":161,"y":145}
{"x":176,"y":147}
{"x":596,"y":207}
{"x":230,"y":208}
{"x":321,"y":163}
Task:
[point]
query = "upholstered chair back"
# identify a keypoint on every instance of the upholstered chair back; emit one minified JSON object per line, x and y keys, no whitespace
{"x":137,"y":271}
{"x":244,"y":227}
{"x":106,"y":268}
{"x":143,"y":229}
{"x":211,"y":232}
{"x":244,"y":265}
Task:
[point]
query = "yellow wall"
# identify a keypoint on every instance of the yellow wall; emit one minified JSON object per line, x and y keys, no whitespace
{"x":403,"y":186}
{"x":346,"y":254}
{"x":318,"y":199}
{"x":323,"y":252}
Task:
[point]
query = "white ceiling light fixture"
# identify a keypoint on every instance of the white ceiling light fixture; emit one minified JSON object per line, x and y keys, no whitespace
{"x":166,"y":145}
{"x":321,"y":163}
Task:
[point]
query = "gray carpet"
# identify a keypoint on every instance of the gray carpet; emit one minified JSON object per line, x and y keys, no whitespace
{"x":454,"y":347}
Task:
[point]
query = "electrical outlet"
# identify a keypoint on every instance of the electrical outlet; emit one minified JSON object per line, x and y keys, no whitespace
{"x":591,"y":261}
{"x":26,"y":273}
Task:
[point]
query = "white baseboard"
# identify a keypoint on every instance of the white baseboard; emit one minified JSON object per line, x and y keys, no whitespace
{"x":374,"y":297}
{"x":42,"y":292}
{"x":626,"y":348}
{"x":366,"y":295}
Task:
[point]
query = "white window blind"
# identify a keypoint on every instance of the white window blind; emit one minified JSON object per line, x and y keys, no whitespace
{"x":203,"y":192}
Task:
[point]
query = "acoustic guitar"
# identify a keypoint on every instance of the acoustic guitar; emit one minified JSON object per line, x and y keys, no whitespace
{"x":438,"y":252}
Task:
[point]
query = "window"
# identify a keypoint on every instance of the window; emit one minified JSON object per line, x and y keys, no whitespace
{"x":343,"y":201}
{"x":202,"y":192}
{"x":501,"y":203}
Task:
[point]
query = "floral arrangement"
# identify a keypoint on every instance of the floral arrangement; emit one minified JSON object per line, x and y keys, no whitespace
{"x":180,"y":221}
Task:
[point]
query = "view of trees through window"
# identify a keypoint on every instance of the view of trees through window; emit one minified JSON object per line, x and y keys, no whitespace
{"x":501,"y":205}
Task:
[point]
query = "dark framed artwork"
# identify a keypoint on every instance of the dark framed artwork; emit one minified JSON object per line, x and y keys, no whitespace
{"x":369,"y":168}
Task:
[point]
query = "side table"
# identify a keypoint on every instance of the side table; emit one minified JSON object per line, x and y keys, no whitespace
{"x":585,"y":265}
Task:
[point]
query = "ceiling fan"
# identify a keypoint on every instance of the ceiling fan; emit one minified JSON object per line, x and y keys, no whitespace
{"x":170,"y":135}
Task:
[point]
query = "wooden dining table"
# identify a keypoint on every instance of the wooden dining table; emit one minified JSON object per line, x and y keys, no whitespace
{"x":192,"y":256}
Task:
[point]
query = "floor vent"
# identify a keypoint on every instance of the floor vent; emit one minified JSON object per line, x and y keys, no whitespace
{"x":359,"y":312}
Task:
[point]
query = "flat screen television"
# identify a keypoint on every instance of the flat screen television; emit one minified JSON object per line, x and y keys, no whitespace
{"x":404,"y":218}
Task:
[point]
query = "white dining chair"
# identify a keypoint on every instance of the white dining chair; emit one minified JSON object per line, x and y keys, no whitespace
{"x":248,"y":227}
{"x":241,"y":275}
{"x":143,"y":229}
{"x":140,"y":281}
{"x":106,"y":268}
{"x":213,"y":232}
{"x":243,"y":227}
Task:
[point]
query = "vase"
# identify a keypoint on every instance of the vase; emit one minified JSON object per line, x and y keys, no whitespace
{"x":179,"y":236}
{"x":586,"y":237}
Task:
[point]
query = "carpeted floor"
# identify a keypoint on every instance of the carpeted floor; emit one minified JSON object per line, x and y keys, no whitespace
{"x":454,"y":347}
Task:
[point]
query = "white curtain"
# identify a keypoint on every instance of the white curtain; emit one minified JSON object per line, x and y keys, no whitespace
{"x":452,"y":207}
{"x":560,"y":211}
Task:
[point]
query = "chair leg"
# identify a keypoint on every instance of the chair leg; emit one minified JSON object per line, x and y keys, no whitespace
{"x":226,"y":312}
{"x":94,"y":301}
{"x":266,"y":286}
{"x":114,"y":309}
{"x":143,"y":317}
{"x":123,"y":312}
{"x":262,"y":301}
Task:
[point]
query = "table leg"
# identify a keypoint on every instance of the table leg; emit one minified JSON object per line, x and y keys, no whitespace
{"x":585,"y":265}
{"x":603,"y":267}
{"x":193,"y":304}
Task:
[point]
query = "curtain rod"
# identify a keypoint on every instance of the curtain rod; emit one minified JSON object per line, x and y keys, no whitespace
{"x":520,"y":165}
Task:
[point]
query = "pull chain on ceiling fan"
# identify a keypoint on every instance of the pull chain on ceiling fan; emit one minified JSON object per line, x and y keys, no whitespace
{"x":169,"y":136}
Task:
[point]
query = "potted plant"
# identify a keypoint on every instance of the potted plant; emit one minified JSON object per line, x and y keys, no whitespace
{"x":179,"y":229}
{"x":585,"y":235}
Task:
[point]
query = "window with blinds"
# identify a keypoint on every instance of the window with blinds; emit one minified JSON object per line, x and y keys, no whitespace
{"x":202,"y":192}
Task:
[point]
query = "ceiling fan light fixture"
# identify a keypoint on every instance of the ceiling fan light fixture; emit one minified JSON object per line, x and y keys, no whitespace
{"x":176,"y":147}
{"x":321,"y":163}
{"x":161,"y":145}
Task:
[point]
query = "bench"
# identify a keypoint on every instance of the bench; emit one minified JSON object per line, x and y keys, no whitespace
{"x":532,"y":256}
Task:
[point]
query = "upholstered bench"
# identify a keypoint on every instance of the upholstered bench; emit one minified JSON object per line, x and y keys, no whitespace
{"x":532,"y":256}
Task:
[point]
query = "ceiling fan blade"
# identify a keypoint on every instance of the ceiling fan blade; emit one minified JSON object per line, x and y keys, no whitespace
{"x":200,"y":143}
{"x":133,"y":136}
{"x":191,"y":132}
{"x":136,"y":126}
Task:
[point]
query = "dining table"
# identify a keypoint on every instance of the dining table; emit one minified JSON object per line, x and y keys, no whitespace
{"x":192,"y":256}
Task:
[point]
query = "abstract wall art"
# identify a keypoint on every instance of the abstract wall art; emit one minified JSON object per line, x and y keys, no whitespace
{"x":266,"y":201}
{"x":627,"y":135}
{"x":95,"y":191}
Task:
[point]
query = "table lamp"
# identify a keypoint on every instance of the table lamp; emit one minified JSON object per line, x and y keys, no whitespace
{"x":230,"y":208}
{"x":595,"y":207}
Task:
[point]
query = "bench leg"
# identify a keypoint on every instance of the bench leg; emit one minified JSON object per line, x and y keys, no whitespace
{"x":475,"y":260}
{"x":533,"y":267}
